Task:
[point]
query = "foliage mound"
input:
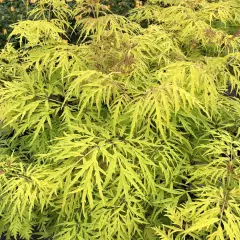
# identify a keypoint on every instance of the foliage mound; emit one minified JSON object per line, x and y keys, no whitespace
{"x":121,"y":127}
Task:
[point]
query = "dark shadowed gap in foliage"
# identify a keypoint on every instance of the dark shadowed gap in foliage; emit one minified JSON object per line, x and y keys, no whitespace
{"x":232,"y":92}
{"x":32,"y":238}
{"x":35,"y":236}
{"x":9,"y":16}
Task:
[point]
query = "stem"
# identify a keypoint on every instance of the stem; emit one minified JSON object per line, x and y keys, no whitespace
{"x":50,"y":13}
{"x":223,"y":206}
{"x":26,"y":7}
{"x":225,"y":196}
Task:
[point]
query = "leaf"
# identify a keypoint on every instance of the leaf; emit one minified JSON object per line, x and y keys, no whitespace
{"x":203,"y":223}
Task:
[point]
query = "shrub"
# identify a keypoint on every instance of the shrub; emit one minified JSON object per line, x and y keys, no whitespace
{"x":129,"y":133}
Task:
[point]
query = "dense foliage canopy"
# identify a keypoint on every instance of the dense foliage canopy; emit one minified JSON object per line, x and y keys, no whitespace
{"x":12,"y":11}
{"x":121,"y":127}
